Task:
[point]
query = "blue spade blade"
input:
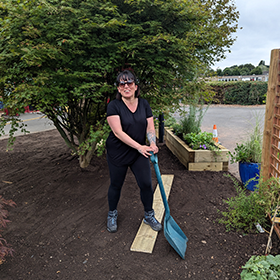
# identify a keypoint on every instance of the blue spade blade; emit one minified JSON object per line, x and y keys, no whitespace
{"x":172,"y":232}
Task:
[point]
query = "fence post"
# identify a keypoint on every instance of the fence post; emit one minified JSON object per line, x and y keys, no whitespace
{"x":272,"y":114}
{"x":161,"y":128}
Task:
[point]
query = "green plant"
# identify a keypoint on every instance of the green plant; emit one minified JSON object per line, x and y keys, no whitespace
{"x":96,"y":141}
{"x":170,"y":121}
{"x":191,"y":122}
{"x":269,"y":193}
{"x":251,"y":149}
{"x":242,"y":153}
{"x":245,"y":210}
{"x":261,"y":267}
{"x":200,"y":141}
{"x":5,"y":248}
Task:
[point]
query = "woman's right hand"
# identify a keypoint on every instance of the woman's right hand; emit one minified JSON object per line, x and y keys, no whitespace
{"x":145,"y":150}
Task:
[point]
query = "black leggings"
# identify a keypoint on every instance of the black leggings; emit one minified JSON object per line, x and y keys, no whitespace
{"x":142,"y":172}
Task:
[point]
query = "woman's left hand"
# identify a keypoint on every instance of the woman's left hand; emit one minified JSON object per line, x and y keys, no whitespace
{"x":154,"y":148}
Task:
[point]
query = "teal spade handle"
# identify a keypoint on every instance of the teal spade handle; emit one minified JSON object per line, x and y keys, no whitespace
{"x":154,"y":160}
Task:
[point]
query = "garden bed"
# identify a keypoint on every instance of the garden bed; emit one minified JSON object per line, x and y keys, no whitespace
{"x":197,"y":160}
{"x":58,"y":227}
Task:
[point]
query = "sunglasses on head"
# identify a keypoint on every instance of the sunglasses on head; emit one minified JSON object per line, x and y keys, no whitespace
{"x":129,"y":83}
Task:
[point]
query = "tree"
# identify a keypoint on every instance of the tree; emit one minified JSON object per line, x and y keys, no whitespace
{"x":219,"y":72}
{"x":256,"y":71}
{"x":249,"y":66}
{"x":63,"y":56}
{"x":244,"y":71}
{"x":235,"y":71}
{"x":227,"y":72}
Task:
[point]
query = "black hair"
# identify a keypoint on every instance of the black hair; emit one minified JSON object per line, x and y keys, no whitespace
{"x":125,"y":76}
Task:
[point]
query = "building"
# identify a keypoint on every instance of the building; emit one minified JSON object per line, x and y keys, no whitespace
{"x":263,"y":78}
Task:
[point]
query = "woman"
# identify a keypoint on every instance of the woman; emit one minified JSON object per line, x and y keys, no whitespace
{"x":130,"y":119}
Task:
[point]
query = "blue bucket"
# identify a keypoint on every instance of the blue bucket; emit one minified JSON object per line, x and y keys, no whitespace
{"x":249,"y":171}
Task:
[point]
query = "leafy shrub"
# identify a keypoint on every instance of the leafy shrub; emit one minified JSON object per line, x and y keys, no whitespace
{"x":245,"y":210}
{"x":261,"y":267}
{"x":96,"y":141}
{"x":5,"y":248}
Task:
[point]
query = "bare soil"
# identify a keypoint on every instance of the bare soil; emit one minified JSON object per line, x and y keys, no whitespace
{"x":58,"y":228}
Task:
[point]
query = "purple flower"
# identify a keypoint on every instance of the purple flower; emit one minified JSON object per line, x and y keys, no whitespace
{"x":204,"y":146}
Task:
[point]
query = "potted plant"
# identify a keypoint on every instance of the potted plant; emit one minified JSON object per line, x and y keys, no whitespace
{"x":248,"y":155}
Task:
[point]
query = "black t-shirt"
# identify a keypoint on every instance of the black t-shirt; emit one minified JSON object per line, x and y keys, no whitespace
{"x":133,"y":124}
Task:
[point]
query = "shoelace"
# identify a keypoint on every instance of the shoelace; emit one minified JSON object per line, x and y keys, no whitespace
{"x":152,"y":219}
{"x":113,"y":219}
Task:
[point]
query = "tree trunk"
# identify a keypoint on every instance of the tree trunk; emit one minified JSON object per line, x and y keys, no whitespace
{"x":87,"y":156}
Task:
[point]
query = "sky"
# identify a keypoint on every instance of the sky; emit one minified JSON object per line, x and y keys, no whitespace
{"x":260,"y":33}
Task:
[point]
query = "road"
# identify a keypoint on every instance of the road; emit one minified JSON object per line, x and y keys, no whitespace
{"x":233,"y":123}
{"x":36,"y":122}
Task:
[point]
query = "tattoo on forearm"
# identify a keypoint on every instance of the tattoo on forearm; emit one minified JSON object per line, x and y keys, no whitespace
{"x":151,"y":137}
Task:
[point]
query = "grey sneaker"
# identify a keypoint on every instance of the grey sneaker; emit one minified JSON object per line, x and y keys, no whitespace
{"x":150,"y":220}
{"x":112,"y":221}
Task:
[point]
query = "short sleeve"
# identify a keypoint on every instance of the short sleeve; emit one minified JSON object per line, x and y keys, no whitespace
{"x":149,"y":112}
{"x":112,"y":109}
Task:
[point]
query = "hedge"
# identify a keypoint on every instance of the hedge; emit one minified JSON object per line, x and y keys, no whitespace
{"x":239,"y":92}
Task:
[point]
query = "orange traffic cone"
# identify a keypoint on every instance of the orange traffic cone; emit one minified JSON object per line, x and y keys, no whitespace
{"x":215,"y":134}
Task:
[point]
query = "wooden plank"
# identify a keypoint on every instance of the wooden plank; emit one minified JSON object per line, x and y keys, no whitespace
{"x":225,"y":166}
{"x":203,"y":166}
{"x":277,"y":230}
{"x":211,"y":156}
{"x":276,"y":226}
{"x":276,"y":220}
{"x":145,"y":238}
{"x":178,"y":147}
{"x":156,"y":130}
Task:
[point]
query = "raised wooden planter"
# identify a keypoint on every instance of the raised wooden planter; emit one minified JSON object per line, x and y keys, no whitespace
{"x":196,"y":160}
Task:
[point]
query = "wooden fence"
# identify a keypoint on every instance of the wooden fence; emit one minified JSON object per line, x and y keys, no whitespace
{"x":270,"y":165}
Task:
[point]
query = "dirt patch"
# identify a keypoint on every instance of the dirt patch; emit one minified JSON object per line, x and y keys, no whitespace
{"x":58,"y":228}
